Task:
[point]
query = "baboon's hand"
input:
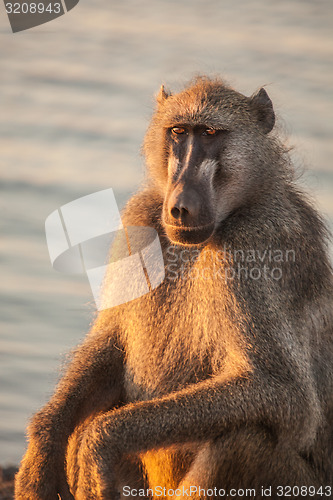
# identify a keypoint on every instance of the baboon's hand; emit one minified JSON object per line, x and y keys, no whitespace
{"x":97,"y":465}
{"x":40,"y":477}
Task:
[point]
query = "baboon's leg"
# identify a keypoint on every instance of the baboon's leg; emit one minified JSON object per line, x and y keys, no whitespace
{"x":248,"y":458}
{"x":93,"y":382}
{"x":166,"y":467}
{"x":131,"y":477}
{"x":189,"y":414}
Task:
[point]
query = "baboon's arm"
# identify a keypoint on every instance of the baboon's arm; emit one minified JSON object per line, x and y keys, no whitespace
{"x":200,"y":412}
{"x":93,"y":382}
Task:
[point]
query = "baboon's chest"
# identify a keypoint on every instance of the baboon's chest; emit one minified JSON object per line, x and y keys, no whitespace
{"x":168,"y":362}
{"x":181,"y":336}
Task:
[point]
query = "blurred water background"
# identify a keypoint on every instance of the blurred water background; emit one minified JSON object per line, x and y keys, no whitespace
{"x":76,"y":96}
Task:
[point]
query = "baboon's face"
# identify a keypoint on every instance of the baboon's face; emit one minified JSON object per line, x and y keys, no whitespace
{"x":189,"y":212}
{"x":204,"y":149}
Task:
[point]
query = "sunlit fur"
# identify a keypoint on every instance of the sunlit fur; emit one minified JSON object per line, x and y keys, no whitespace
{"x":204,"y":381}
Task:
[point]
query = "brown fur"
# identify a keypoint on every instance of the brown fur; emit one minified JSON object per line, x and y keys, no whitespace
{"x":205,"y":381}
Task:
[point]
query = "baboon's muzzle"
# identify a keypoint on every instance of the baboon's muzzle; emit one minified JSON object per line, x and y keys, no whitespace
{"x":188,"y":215}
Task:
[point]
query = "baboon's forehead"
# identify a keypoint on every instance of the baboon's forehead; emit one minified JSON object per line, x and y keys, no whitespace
{"x":212,"y":105}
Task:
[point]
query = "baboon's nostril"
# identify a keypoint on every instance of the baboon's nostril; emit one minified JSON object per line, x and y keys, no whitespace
{"x":175,"y":212}
{"x":178,"y":212}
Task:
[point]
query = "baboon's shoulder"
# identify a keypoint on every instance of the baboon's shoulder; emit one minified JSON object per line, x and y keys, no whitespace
{"x":143,"y":209}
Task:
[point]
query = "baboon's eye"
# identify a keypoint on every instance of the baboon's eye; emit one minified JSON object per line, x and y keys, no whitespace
{"x":210,"y":131}
{"x":178,"y":130}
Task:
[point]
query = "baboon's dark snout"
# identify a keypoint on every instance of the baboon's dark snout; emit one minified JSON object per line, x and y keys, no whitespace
{"x":188,"y":215}
{"x":184,"y":207}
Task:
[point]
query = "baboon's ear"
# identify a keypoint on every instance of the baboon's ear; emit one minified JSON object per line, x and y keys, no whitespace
{"x":263,"y":108}
{"x":162,"y":95}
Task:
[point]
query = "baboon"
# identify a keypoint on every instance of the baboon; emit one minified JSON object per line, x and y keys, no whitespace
{"x":221,"y":377}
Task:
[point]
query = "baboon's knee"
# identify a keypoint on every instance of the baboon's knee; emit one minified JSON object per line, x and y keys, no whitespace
{"x":256,"y":458}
